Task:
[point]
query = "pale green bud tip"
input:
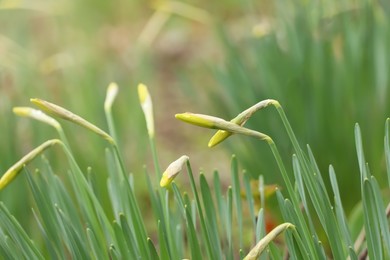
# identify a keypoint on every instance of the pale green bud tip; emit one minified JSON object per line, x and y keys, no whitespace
{"x":147,"y":107}
{"x":219,"y":137}
{"x":173,"y":170}
{"x":36,"y":114}
{"x":112,"y":92}
{"x":197,"y":119}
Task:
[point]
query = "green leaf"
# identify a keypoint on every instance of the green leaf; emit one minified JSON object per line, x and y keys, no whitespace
{"x":192,"y":237}
{"x":237,"y":198}
{"x":371,"y":223}
{"x":152,"y":250}
{"x":341,"y":219}
{"x":211,"y":220}
{"x":205,"y":233}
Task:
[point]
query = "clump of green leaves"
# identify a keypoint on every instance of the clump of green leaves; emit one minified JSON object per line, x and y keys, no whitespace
{"x":206,"y":222}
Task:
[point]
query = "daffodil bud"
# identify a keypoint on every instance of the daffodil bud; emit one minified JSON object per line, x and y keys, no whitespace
{"x":240,"y":120}
{"x":112,"y":92}
{"x":63,"y":113}
{"x":173,"y":170}
{"x":37,"y":115}
{"x":147,"y":107}
{"x":15,"y":169}
{"x":218,"y":123}
{"x":198,"y":119}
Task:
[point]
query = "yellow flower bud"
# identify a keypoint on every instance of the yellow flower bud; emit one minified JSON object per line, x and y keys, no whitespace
{"x":63,"y":113}
{"x":15,"y":169}
{"x":197,"y":119}
{"x":112,"y":92}
{"x":147,"y":107}
{"x":173,"y":170}
{"x":37,"y":115}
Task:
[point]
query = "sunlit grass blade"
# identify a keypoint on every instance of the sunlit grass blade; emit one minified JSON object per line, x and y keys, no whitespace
{"x":360,"y":153}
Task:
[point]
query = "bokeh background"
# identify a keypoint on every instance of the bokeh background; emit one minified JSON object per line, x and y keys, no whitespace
{"x":327,"y":62}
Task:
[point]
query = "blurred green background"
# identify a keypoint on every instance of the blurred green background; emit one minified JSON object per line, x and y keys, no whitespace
{"x":327,"y":62}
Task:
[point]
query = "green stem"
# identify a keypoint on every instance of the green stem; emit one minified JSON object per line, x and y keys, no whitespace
{"x":111,"y":125}
{"x":283,"y":171}
{"x":156,"y":163}
{"x":201,"y":217}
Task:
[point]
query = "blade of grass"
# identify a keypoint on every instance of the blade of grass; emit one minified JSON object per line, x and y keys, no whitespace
{"x":123,"y":248}
{"x":260,"y":225}
{"x":210,"y":212}
{"x":342,"y":221}
{"x":205,"y":232}
{"x":162,"y":238}
{"x":192,"y":237}
{"x":237,"y":198}
{"x":371,"y":223}
{"x":18,"y":235}
{"x":381,"y":214}
{"x":152,"y":250}
{"x":229,"y":221}
{"x":249,"y":198}
{"x":387,"y":148}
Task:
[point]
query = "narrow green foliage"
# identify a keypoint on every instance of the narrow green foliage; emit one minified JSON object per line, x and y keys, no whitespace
{"x":210,"y":222}
{"x":341,"y":219}
{"x":387,"y":148}
{"x":249,"y":198}
{"x":17,"y":237}
{"x":97,"y":250}
{"x":162,"y":237}
{"x":205,"y":233}
{"x":122,"y":246}
{"x":210,"y":212}
{"x":371,"y":223}
{"x":193,"y":241}
{"x":260,"y":225}
{"x":152,"y":250}
{"x":237,"y":198}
